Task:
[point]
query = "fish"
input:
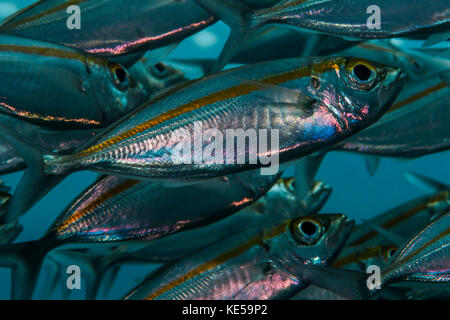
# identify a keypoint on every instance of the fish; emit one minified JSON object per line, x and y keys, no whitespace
{"x":133,"y":26}
{"x":273,"y":43}
{"x":256,"y":264}
{"x":278,"y":204}
{"x":348,"y":19}
{"x":366,"y":244}
{"x":155,"y":77}
{"x":62,"y":88}
{"x":424,"y":258}
{"x":308,"y":106}
{"x":420,"y":110}
{"x":118,"y":210}
{"x":178,"y":244}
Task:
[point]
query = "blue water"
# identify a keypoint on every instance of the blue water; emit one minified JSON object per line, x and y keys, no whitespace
{"x":355,"y":192}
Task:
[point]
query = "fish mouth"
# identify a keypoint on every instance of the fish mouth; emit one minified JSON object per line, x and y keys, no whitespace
{"x":344,"y":230}
{"x":393,"y":84}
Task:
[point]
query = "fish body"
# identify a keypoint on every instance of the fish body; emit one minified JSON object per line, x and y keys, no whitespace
{"x":115,"y":211}
{"x":350,"y":18}
{"x":177,"y":245}
{"x":279,"y":43}
{"x":301,"y":108}
{"x":119,"y":209}
{"x":133,"y":26}
{"x":420,"y":110}
{"x":367,"y":247}
{"x":258,"y":264}
{"x":224,"y":102}
{"x":425,"y":257}
{"x":154,"y":78}
{"x":63,"y":88}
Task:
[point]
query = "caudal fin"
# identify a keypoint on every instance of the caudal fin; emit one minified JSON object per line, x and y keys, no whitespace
{"x":25,"y":260}
{"x":35,"y":183}
{"x":241,"y":21}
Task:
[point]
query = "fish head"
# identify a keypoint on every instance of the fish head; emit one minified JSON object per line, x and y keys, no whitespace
{"x":355,"y":92}
{"x":164,"y":76}
{"x":387,"y":252}
{"x":318,"y":239}
{"x":116,"y":90}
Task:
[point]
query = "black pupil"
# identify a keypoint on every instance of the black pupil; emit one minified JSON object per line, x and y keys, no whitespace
{"x":308,"y":228}
{"x":362,"y":72}
{"x":392,"y":252}
{"x":121,"y":74}
{"x":160,"y":67}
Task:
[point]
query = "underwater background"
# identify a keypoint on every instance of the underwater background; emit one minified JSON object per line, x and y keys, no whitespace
{"x":355,"y":192}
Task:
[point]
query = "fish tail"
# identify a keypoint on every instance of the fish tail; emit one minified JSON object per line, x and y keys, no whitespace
{"x":25,"y":260}
{"x":35,"y":182}
{"x":242,"y":22}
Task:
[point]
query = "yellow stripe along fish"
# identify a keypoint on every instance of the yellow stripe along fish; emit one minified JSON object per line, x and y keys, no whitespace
{"x":301,"y":106}
{"x":251,"y":265}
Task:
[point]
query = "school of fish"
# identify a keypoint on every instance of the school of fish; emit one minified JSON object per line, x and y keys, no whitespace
{"x":210,"y":181}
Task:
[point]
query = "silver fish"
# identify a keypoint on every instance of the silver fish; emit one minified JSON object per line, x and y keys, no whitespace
{"x":311,"y":106}
{"x":63,"y":88}
{"x":133,"y":26}
{"x":425,"y":258}
{"x":273,"y":43}
{"x":155,"y":77}
{"x":279,"y":204}
{"x":256,"y":264}
{"x":116,"y":209}
{"x":367,"y":246}
{"x":347,"y":18}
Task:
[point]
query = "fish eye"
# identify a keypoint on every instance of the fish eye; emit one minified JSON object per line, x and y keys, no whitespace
{"x":120,"y":77}
{"x":159,"y":70}
{"x":390,"y":252}
{"x":289,"y":184}
{"x":307,"y":231}
{"x":362,"y":74}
